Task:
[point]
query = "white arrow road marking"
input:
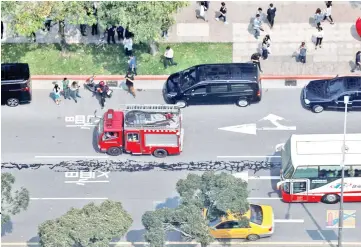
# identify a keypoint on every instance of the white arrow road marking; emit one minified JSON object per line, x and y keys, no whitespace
{"x":274,"y":120}
{"x":243,"y":128}
{"x":279,"y":147}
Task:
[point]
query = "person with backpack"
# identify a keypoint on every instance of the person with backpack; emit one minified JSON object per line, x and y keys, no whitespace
{"x":223,"y":13}
{"x":56,"y":93}
{"x":266,"y":46}
{"x":129,"y":82}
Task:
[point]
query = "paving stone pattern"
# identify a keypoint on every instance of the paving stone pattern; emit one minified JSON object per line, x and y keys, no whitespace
{"x":293,"y":24}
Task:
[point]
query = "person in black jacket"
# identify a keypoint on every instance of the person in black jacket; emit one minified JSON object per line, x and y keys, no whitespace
{"x":271,"y":13}
{"x":95,"y":25}
{"x":255,"y":59}
{"x":120,"y":32}
{"x":223,"y":13}
{"x":2,"y":29}
{"x":111,"y":33}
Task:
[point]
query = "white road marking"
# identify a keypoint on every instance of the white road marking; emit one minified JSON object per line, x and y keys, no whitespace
{"x":249,"y":156}
{"x":264,"y":177}
{"x":68,"y":198}
{"x":83,"y":182}
{"x":216,"y":243}
{"x":289,"y":221}
{"x":80,"y":125}
{"x":264,"y":198}
{"x":70,"y":157}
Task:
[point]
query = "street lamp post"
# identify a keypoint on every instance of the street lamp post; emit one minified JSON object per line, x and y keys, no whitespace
{"x":340,"y":217}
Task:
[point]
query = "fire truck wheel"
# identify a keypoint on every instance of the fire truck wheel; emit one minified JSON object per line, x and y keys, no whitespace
{"x":242,"y":102}
{"x":114,"y":151}
{"x":330,"y":198}
{"x":181,"y":103}
{"x":252,"y":237}
{"x":160,"y":153}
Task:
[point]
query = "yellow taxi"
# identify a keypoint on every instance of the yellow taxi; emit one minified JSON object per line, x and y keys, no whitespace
{"x":261,"y":224}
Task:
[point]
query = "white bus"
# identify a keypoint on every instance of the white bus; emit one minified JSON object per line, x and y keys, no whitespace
{"x":311,"y":170}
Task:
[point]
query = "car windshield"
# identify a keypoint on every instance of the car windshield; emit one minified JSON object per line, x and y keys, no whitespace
{"x":256,"y":214}
{"x":188,"y":78}
{"x":335,"y":87}
{"x":214,"y":222}
{"x":173,"y":83}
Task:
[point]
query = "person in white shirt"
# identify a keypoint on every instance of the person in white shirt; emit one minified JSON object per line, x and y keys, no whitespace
{"x":202,"y":11}
{"x":168,"y":57}
{"x":328,"y":12}
{"x":128,"y":46}
{"x":319,"y":37}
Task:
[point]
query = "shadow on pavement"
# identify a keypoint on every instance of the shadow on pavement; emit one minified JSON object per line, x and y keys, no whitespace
{"x":169,"y":203}
{"x":7,"y":228}
{"x":95,"y":140}
{"x":354,"y":33}
{"x":319,"y":233}
{"x":33,"y":240}
{"x":275,"y":171}
{"x":135,"y":235}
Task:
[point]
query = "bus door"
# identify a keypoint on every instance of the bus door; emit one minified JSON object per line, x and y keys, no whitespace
{"x":299,"y":190}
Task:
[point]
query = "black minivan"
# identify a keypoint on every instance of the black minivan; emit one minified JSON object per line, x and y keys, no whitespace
{"x":226,"y":83}
{"x":15,"y":84}
{"x":319,"y":95}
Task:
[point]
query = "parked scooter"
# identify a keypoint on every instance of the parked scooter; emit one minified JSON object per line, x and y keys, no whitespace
{"x":92,"y":87}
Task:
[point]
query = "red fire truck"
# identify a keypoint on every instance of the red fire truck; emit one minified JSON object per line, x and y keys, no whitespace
{"x":141,"y":129}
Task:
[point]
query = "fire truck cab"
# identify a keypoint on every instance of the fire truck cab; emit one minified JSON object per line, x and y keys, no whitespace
{"x":141,"y":129}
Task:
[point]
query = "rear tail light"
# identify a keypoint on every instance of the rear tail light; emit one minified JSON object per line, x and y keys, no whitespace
{"x":25,"y":89}
{"x":270,"y":229}
{"x":259,"y":93}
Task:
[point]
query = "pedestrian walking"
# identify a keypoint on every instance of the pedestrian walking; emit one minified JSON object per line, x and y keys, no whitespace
{"x":202,"y":11}
{"x":128,"y":46}
{"x":73,"y":88}
{"x":260,"y":13}
{"x":56,"y":93}
{"x":266,"y":44}
{"x":302,"y":50}
{"x":319,"y":37}
{"x":47,"y":24}
{"x":223,"y":13}
{"x":111,"y":33}
{"x":66,"y":88}
{"x":357,"y":62}
{"x":32,"y":37}
{"x":129,"y":82}
{"x":168,"y":57}
{"x":165,"y":27}
{"x":328,"y":12}
{"x":257,"y":26}
{"x":120,"y":33}
{"x":271,"y":14}
{"x":95,"y":25}
{"x":132,"y":65}
{"x":255,"y":59}
{"x":318,"y":17}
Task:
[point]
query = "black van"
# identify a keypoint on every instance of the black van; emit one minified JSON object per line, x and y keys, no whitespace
{"x":228,"y":83}
{"x":319,"y":95}
{"x":15,"y":84}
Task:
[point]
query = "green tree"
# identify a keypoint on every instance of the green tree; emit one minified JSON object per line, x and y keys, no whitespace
{"x":145,"y":19}
{"x":27,"y":17}
{"x":91,"y":225}
{"x":12,"y":202}
{"x":219,"y":194}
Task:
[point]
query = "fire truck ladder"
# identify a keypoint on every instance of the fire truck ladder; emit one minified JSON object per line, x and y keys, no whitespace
{"x":153,"y":108}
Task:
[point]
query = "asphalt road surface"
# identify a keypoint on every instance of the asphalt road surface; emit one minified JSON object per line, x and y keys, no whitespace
{"x":39,"y":129}
{"x":37,"y":133}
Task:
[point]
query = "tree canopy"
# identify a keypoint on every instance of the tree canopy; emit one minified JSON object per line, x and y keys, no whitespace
{"x":219,"y":194}
{"x":145,"y":19}
{"x":12,"y":202}
{"x":91,"y":225}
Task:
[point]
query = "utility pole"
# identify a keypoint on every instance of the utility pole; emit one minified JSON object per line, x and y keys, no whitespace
{"x":344,"y":149}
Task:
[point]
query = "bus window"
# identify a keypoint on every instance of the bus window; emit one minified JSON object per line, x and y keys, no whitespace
{"x":356,"y":171}
{"x":306,"y":172}
{"x":333,"y":171}
{"x":299,"y":187}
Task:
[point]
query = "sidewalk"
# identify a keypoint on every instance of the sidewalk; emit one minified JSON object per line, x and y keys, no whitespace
{"x":293,"y":24}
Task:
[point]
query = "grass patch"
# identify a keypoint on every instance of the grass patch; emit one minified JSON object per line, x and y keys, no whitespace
{"x":82,"y":59}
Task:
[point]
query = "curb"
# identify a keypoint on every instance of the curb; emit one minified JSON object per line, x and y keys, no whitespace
{"x":165,"y":77}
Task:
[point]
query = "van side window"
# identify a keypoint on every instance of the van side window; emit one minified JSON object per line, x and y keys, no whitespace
{"x":219,"y":88}
{"x":240,"y":87}
{"x":200,"y":89}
